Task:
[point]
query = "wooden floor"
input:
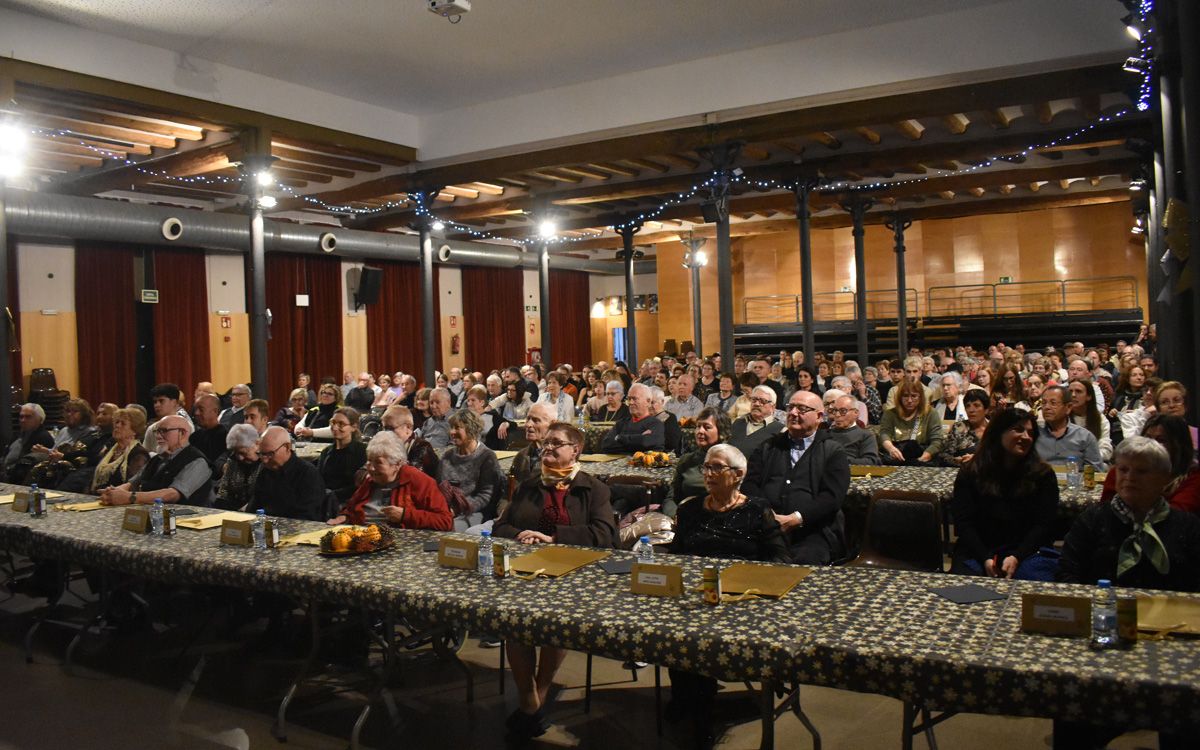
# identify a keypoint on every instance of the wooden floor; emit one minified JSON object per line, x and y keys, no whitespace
{"x":123,"y":693}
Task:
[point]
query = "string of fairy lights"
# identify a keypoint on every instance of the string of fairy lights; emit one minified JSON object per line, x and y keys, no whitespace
{"x":1139,"y":23}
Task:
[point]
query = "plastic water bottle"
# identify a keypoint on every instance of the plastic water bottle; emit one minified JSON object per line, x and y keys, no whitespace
{"x":37,"y":501}
{"x":1074,"y":478}
{"x":260,"y":529}
{"x":156,"y":517}
{"x":486,"y":562}
{"x":644,"y":550}
{"x":1104,"y":615}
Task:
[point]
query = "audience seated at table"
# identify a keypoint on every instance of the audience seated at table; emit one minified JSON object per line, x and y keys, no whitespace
{"x":858,"y":442}
{"x":910,"y":433}
{"x":341,"y":460}
{"x":315,"y":424}
{"x":684,"y":404}
{"x":672,"y":432}
{"x":73,"y":446}
{"x":418,"y":452}
{"x":394,"y":492}
{"x":639,"y":430}
{"x":760,"y":423}
{"x":805,"y":476}
{"x":126,"y":457}
{"x":235,"y":489}
{"x":178,"y":472}
{"x":1005,"y":503}
{"x":469,"y":474}
{"x":565,"y":506}
{"x":1060,"y":438}
{"x":712,"y":428}
{"x":962,"y":439}
{"x":613,"y":408}
{"x":436,"y":427}
{"x":1136,"y":539}
{"x":288,"y":486}
{"x":289,"y":416}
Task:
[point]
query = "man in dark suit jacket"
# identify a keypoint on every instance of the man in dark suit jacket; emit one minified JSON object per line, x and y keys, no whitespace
{"x":640,"y":431}
{"x":759,"y":425}
{"x":805,"y":477}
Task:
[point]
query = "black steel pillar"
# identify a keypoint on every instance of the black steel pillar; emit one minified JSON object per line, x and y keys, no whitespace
{"x":803,"y":217}
{"x":6,"y":363}
{"x":260,"y":161}
{"x":1167,"y":314}
{"x":1187,"y":27}
{"x":544,"y":302}
{"x":858,"y":208}
{"x":898,"y":224}
{"x":428,"y":323}
{"x":629,"y":255}
{"x":723,"y":157}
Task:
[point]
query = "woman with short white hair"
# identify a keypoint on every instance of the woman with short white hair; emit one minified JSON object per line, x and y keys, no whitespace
{"x":394,"y":492}
{"x":242,"y":467}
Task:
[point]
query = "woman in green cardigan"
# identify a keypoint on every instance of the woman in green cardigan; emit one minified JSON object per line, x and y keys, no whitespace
{"x":910,"y":433}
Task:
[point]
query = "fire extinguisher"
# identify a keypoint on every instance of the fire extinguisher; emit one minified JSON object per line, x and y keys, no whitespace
{"x":455,"y":343}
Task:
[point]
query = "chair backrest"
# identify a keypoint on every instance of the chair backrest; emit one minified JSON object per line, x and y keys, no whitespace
{"x":904,"y":525}
{"x":630,"y":491}
{"x":42,"y":379}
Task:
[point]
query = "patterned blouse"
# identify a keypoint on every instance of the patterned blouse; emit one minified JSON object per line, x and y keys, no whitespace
{"x":960,"y":441}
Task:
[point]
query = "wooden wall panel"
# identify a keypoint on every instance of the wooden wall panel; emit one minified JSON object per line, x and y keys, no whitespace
{"x":354,"y":343}
{"x":50,"y":341}
{"x":230,"y":358}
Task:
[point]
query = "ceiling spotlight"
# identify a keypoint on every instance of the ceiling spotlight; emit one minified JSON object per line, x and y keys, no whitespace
{"x":265,"y":178}
{"x":547,"y":229}
{"x":438,"y":225}
{"x":1134,"y":26}
{"x":267,"y":201}
{"x":701,"y":258}
{"x":1137,"y":65}
{"x":13,"y":139}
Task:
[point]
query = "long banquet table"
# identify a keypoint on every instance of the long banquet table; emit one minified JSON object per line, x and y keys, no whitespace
{"x":858,"y":629}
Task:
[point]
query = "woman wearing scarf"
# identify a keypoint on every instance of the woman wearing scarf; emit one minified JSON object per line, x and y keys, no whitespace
{"x":126,"y":457}
{"x":1136,"y":539}
{"x":562,"y":506}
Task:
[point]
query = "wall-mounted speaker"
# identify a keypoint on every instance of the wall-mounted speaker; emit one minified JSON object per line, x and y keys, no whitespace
{"x":368,"y":287}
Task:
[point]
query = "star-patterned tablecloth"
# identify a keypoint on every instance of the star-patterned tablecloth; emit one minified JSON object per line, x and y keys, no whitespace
{"x":866,"y":630}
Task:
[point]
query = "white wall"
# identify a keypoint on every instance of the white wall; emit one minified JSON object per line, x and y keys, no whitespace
{"x":226,"y":282}
{"x":614,"y":286}
{"x":46,"y":276}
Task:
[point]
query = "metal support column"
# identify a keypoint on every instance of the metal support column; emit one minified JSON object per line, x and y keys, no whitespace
{"x":5,"y":364}
{"x":722,"y":157}
{"x":1166,"y":314}
{"x":629,"y":255}
{"x":1187,"y":26}
{"x":544,"y":302}
{"x":260,"y":161}
{"x":803,"y":217}
{"x":428,"y":323}
{"x":898,"y":224}
{"x":858,"y":208}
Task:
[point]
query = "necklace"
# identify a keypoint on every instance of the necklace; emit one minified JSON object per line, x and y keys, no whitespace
{"x":738,"y":499}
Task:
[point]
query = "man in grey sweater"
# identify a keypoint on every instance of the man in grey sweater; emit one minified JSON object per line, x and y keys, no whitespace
{"x":860,"y":444}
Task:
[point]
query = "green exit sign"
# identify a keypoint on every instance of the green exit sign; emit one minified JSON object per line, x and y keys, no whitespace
{"x":1006,"y":279}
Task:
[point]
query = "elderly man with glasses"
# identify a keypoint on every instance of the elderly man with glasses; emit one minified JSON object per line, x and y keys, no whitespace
{"x":239,"y":396}
{"x":805,"y":476}
{"x":178,"y":472}
{"x":288,"y":486}
{"x":859,"y":443}
{"x":752,"y":430}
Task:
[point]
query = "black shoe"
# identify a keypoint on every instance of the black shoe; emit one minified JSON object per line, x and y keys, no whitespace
{"x":526,"y":726}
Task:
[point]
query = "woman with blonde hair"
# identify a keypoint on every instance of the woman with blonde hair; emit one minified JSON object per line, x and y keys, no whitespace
{"x":910,"y":433}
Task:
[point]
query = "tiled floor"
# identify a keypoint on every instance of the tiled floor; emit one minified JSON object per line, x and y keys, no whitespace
{"x":124,"y":693}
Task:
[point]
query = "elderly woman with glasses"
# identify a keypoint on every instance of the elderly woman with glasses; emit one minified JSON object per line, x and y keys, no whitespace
{"x":315,"y":424}
{"x":394,"y":492}
{"x":565,"y":506}
{"x":289,"y":416}
{"x":236,"y":488}
{"x":720,"y":522}
{"x":712,"y":428}
{"x":469,"y":473}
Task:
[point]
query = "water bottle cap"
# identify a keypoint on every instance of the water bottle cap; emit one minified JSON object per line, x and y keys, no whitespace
{"x":645,"y":540}
{"x":1104,"y":583}
{"x":260,"y":512}
{"x":33,"y":486}
{"x":158,"y":501}
{"x":485,"y":533}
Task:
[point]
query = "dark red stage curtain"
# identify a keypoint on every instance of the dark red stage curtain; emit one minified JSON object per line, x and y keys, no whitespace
{"x":303,"y":339}
{"x":570,"y":318}
{"x":15,"y":364}
{"x":106,"y":323}
{"x":394,"y":339}
{"x":493,"y":317}
{"x":181,"y":319}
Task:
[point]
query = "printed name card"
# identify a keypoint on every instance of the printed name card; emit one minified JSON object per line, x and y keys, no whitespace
{"x":656,"y":580}
{"x":136,"y":520}
{"x":458,"y":553}
{"x":237,"y":533}
{"x":21,"y":500}
{"x":1056,"y":615}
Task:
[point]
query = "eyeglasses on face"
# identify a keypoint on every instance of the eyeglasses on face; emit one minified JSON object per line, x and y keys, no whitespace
{"x":801,"y":408}
{"x":268,"y":454}
{"x":761,"y":401}
{"x":554,"y":445}
{"x":836,"y":412}
{"x":715,"y":468}
{"x":164,"y":431}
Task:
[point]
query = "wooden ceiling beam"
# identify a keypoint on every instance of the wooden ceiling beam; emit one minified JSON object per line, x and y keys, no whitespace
{"x":956,"y":123}
{"x":586,"y":172}
{"x":615,"y":168}
{"x":910,"y":129}
{"x":35,"y":106}
{"x":295,"y":166}
{"x":121,"y":177}
{"x":868,"y":135}
{"x":79,"y":161}
{"x":827,"y":139}
{"x":488,"y":188}
{"x":650,"y":164}
{"x":66,"y":147}
{"x":87,"y":128}
{"x":681,"y":160}
{"x":461,"y":192}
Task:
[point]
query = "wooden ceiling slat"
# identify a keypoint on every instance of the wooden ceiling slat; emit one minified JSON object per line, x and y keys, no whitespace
{"x":829,"y":140}
{"x":615,"y":168}
{"x":195,"y":161}
{"x":488,"y":188}
{"x":66,"y":147}
{"x":586,"y":172}
{"x":461,"y":192}
{"x":910,"y":129}
{"x":647,"y":164}
{"x":293,"y":166}
{"x":868,"y":135}
{"x":956,"y":123}
{"x":64,"y":110}
{"x":57,"y":157}
{"x":86,"y":128}
{"x":681,"y":160}
{"x":325,"y":160}
{"x":339,"y":150}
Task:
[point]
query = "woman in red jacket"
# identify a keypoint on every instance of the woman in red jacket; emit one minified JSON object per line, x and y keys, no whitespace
{"x":395,"y":493}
